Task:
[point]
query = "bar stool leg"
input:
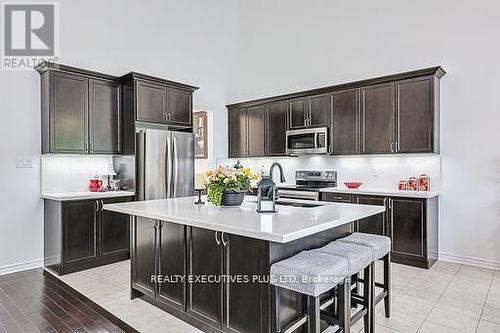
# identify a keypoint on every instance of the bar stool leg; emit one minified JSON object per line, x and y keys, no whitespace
{"x":277,"y":326}
{"x":345,"y":305}
{"x":369,"y":298}
{"x":313,"y":315}
{"x":387,"y":284}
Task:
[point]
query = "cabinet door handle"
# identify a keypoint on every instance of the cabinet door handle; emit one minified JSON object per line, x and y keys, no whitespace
{"x":390,"y":203}
{"x":168,"y":116}
{"x":397,"y":146}
{"x":102,"y":205}
{"x":309,"y":122}
{"x":91,"y":146}
{"x":330,"y":149}
{"x":224,"y":242}
{"x":217,"y":238}
{"x":86,"y":146}
{"x":97,"y":206}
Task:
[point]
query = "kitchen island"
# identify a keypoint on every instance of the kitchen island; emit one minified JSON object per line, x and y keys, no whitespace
{"x":209,"y":265}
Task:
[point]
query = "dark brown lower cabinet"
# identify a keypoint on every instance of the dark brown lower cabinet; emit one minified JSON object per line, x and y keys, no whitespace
{"x":376,"y":224}
{"x":244,"y":257}
{"x":114,"y":233}
{"x":143,"y":255}
{"x":79,"y":235}
{"x":205,"y":260}
{"x":172,"y":264}
{"x":224,"y":304}
{"x":412,"y":224}
{"x":414,"y":231}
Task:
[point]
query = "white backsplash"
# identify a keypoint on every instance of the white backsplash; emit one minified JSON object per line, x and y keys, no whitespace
{"x":374,"y":171}
{"x":71,"y":173}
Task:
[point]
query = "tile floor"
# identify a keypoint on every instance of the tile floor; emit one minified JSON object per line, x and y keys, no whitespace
{"x":447,"y":298}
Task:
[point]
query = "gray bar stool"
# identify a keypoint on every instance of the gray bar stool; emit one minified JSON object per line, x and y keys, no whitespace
{"x":359,"y":258}
{"x":312,"y":274}
{"x":381,"y":249}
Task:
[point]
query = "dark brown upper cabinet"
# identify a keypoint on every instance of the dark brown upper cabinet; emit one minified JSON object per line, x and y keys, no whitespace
{"x":309,"y":111}
{"x":105,"y":116}
{"x":298,"y":113}
{"x":157,"y":101}
{"x":151,"y":102}
{"x":385,"y":115}
{"x":319,"y":109}
{"x":237,"y":133}
{"x":81,"y":111}
{"x":417,"y":116}
{"x":247,"y":132}
{"x":344,"y":122}
{"x":256,"y":132}
{"x":179,"y":107}
{"x":65,"y":113}
{"x":377,"y":119}
{"x":276,"y":128}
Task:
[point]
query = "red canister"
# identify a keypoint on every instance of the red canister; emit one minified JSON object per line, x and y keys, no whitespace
{"x":412,"y":184}
{"x":402,"y":185}
{"x":424,"y":182}
{"x":95,"y":185}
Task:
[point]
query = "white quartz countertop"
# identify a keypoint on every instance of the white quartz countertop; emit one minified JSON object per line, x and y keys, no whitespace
{"x":381,"y":191}
{"x":288,"y":224}
{"x":65,"y":196}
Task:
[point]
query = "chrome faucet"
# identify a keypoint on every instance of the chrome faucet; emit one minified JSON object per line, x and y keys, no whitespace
{"x":282,"y":174}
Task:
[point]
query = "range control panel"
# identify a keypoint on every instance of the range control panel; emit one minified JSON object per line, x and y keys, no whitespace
{"x":316,"y":175}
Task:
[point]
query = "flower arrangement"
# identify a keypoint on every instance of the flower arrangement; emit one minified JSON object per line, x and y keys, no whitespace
{"x":223,"y":179}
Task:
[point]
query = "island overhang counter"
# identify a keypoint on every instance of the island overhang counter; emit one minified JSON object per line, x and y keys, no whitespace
{"x":209,"y":266}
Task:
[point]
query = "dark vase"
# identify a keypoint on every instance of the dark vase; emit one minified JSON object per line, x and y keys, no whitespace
{"x":232,"y":198}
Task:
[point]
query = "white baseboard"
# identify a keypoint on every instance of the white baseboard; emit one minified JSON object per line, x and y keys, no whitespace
{"x":21,"y":266}
{"x":491,"y":264}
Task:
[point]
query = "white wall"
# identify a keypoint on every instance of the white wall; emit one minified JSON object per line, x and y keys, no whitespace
{"x":188,"y":41}
{"x":289,"y":45}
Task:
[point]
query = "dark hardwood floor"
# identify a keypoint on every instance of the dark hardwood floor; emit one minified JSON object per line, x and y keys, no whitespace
{"x":36,"y":301}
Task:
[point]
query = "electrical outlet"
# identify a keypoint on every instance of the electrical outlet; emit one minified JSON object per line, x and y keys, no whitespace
{"x":375,"y":172}
{"x":24,"y":163}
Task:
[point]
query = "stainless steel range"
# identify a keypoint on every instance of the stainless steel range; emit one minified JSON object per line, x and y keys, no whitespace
{"x":308,"y":184}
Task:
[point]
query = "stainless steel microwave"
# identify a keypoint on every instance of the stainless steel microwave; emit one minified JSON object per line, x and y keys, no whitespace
{"x":307,"y":141}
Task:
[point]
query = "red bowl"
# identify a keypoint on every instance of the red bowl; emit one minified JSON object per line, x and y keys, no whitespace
{"x":353,"y":185}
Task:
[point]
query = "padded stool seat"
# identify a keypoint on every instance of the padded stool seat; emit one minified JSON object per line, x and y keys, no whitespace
{"x":310,"y":273}
{"x":380,"y":245}
{"x":357,"y":256}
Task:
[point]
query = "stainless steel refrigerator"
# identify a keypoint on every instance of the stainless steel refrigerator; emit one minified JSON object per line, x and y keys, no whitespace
{"x":164,"y":163}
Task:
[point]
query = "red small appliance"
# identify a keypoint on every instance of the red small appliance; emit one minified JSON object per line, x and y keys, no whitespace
{"x":95,"y":185}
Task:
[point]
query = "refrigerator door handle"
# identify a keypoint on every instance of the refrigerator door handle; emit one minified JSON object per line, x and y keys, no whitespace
{"x":176,"y":168}
{"x":169,"y":169}
{"x":141,"y":156}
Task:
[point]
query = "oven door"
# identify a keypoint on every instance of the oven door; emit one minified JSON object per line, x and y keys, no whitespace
{"x":307,"y":141}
